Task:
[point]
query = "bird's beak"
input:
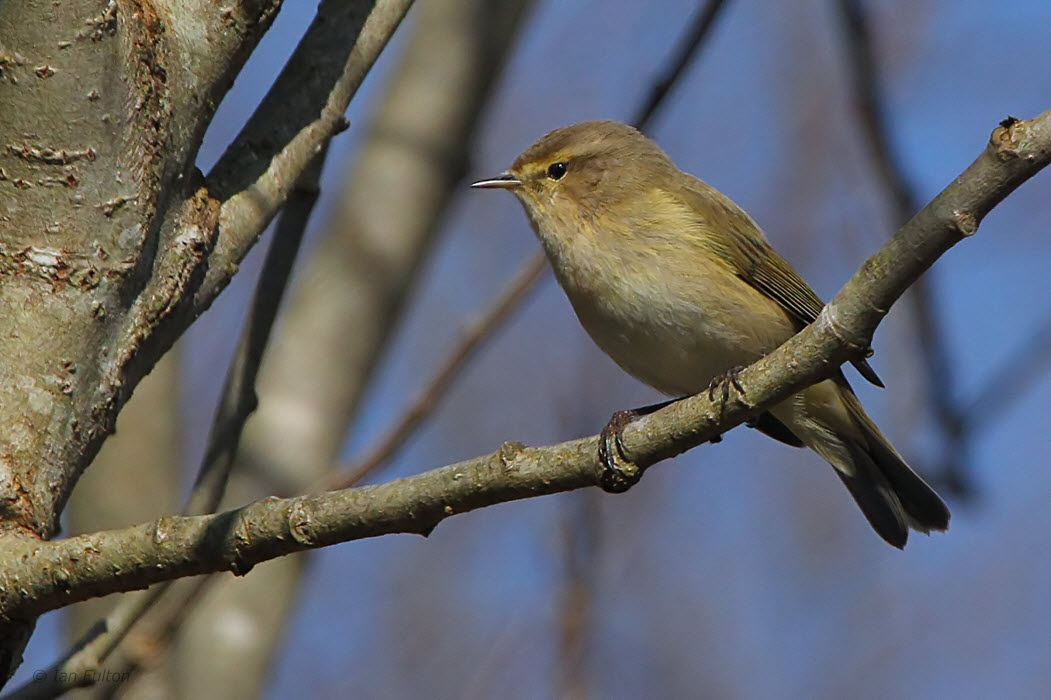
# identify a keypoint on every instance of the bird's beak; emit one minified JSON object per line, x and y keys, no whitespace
{"x":505,"y":181}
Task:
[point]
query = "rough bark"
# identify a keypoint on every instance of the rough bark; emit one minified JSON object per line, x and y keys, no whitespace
{"x":105,"y":105}
{"x":110,"y":241}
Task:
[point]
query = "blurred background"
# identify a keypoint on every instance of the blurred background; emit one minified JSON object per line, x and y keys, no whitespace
{"x":738,"y":570}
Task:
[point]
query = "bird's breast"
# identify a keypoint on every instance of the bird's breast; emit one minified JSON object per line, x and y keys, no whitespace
{"x":674,"y":321}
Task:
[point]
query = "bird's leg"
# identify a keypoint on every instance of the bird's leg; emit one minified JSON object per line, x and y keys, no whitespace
{"x":618,"y":472}
{"x":725,"y":380}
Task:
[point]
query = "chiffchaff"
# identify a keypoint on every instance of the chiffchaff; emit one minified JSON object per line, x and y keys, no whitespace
{"x":680,"y":287}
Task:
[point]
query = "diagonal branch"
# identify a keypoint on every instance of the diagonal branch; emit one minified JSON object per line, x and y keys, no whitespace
{"x":302,"y":111}
{"x":48,"y":575}
{"x":411,"y":160}
{"x":687,"y":49}
{"x":239,"y":397}
{"x":487,"y":325}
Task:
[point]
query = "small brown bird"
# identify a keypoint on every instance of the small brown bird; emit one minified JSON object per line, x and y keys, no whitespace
{"x":680,"y":287}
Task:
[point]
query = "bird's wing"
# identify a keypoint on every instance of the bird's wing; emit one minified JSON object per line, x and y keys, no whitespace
{"x":753,"y":259}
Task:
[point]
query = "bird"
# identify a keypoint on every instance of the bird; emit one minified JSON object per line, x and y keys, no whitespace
{"x":679,"y":286}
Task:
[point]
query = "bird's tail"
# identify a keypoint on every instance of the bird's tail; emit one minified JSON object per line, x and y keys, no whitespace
{"x":891,"y":495}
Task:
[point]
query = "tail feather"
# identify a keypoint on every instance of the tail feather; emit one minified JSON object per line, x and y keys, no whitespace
{"x":864,"y":479}
{"x":876,"y":496}
{"x":925,"y":509}
{"x":829,"y":418}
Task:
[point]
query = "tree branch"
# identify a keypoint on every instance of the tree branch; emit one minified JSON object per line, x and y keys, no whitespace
{"x":491,"y":320}
{"x":47,"y":575}
{"x":687,"y":49}
{"x":252,"y":187}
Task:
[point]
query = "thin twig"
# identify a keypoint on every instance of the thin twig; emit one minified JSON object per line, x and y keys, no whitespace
{"x":288,"y":126}
{"x":485,"y":327}
{"x":581,"y":531}
{"x":509,"y":300}
{"x":239,"y":398}
{"x":688,"y":46}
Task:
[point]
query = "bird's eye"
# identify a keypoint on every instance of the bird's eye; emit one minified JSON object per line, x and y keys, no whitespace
{"x":555,"y":171}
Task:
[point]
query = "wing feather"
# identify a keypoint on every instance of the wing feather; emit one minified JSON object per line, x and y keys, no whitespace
{"x":755,"y":261}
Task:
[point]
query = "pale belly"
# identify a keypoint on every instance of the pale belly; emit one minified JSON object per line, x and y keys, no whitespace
{"x":677,"y":334}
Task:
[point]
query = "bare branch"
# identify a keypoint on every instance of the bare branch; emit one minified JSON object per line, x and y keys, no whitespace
{"x":47,"y":575}
{"x":490,"y":322}
{"x":688,"y":47}
{"x":302,"y":111}
{"x":239,"y":393}
{"x":353,"y":288}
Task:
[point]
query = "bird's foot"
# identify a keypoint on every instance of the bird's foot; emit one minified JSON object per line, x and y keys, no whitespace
{"x":730,"y":377}
{"x":722,"y":383}
{"x":618,"y":472}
